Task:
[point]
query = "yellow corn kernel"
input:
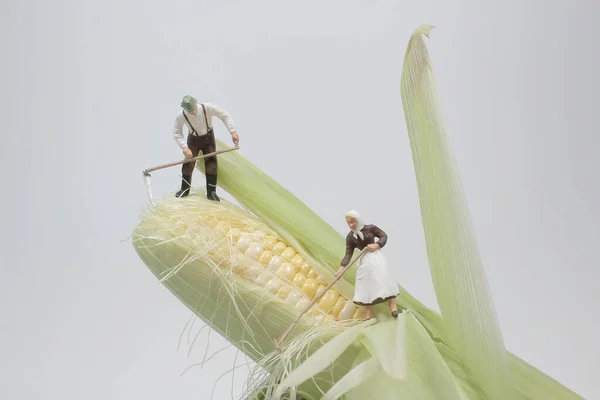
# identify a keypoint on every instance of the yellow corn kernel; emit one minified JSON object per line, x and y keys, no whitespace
{"x":312,"y":274}
{"x":320,"y":289}
{"x":321,"y":281}
{"x":339,"y":305}
{"x":279,"y":247}
{"x":305,"y":268}
{"x":315,"y":311}
{"x":297,"y":260}
{"x":274,"y":263}
{"x":265,"y":257}
{"x":329,"y":300}
{"x":309,"y":287}
{"x":288,"y":253}
{"x":270,"y":241}
{"x":287,"y":271}
{"x":299,"y":279}
{"x":254,"y":250}
{"x":243,"y":242}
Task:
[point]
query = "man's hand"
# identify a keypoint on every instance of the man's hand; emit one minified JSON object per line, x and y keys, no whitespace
{"x":373,"y":247}
{"x":187,"y":152}
{"x":339,"y":272}
{"x":235,"y":137}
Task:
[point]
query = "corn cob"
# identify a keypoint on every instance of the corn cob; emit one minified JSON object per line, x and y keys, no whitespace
{"x":258,"y":255}
{"x":238,"y":275}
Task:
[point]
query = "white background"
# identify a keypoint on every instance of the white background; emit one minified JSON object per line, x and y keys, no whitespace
{"x":90,"y":90}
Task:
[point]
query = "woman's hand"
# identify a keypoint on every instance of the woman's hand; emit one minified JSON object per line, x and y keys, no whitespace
{"x":373,"y":247}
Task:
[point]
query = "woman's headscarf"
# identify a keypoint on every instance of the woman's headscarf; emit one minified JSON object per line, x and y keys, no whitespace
{"x":359,"y":223}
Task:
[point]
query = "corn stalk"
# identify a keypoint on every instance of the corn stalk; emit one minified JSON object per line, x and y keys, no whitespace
{"x":248,"y":272}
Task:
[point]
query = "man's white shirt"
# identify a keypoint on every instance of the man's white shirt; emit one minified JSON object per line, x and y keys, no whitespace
{"x":198,"y":123}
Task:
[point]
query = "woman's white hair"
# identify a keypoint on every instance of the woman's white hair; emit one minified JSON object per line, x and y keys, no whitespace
{"x":359,"y":223}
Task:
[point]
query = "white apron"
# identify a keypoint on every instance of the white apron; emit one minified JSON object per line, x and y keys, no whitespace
{"x":374,"y":281}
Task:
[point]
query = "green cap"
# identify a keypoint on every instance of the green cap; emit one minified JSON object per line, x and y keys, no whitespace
{"x":189,"y":103}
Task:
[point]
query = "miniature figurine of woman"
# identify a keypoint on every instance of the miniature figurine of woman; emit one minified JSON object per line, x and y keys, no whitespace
{"x":374,"y":282}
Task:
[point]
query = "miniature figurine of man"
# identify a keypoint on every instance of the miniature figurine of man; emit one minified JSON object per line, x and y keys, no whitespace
{"x":374,"y":281}
{"x":201,"y":137}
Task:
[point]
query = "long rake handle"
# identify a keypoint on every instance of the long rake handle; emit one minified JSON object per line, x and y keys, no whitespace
{"x":187,"y":160}
{"x":282,"y":337}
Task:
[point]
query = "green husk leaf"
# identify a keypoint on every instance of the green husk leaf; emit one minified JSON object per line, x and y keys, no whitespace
{"x":427,"y":378}
{"x":358,"y":376}
{"x":388,"y":343}
{"x":402,"y":360}
{"x":533,"y":384}
{"x":456,"y":267}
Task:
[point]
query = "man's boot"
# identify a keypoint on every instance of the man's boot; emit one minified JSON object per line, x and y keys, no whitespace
{"x":186,"y":180}
{"x":211,"y":187}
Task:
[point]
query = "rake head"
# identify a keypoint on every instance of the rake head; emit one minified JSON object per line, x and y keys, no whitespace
{"x":148,"y":185}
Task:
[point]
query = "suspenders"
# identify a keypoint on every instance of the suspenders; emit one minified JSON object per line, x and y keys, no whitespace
{"x":194,"y":132}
